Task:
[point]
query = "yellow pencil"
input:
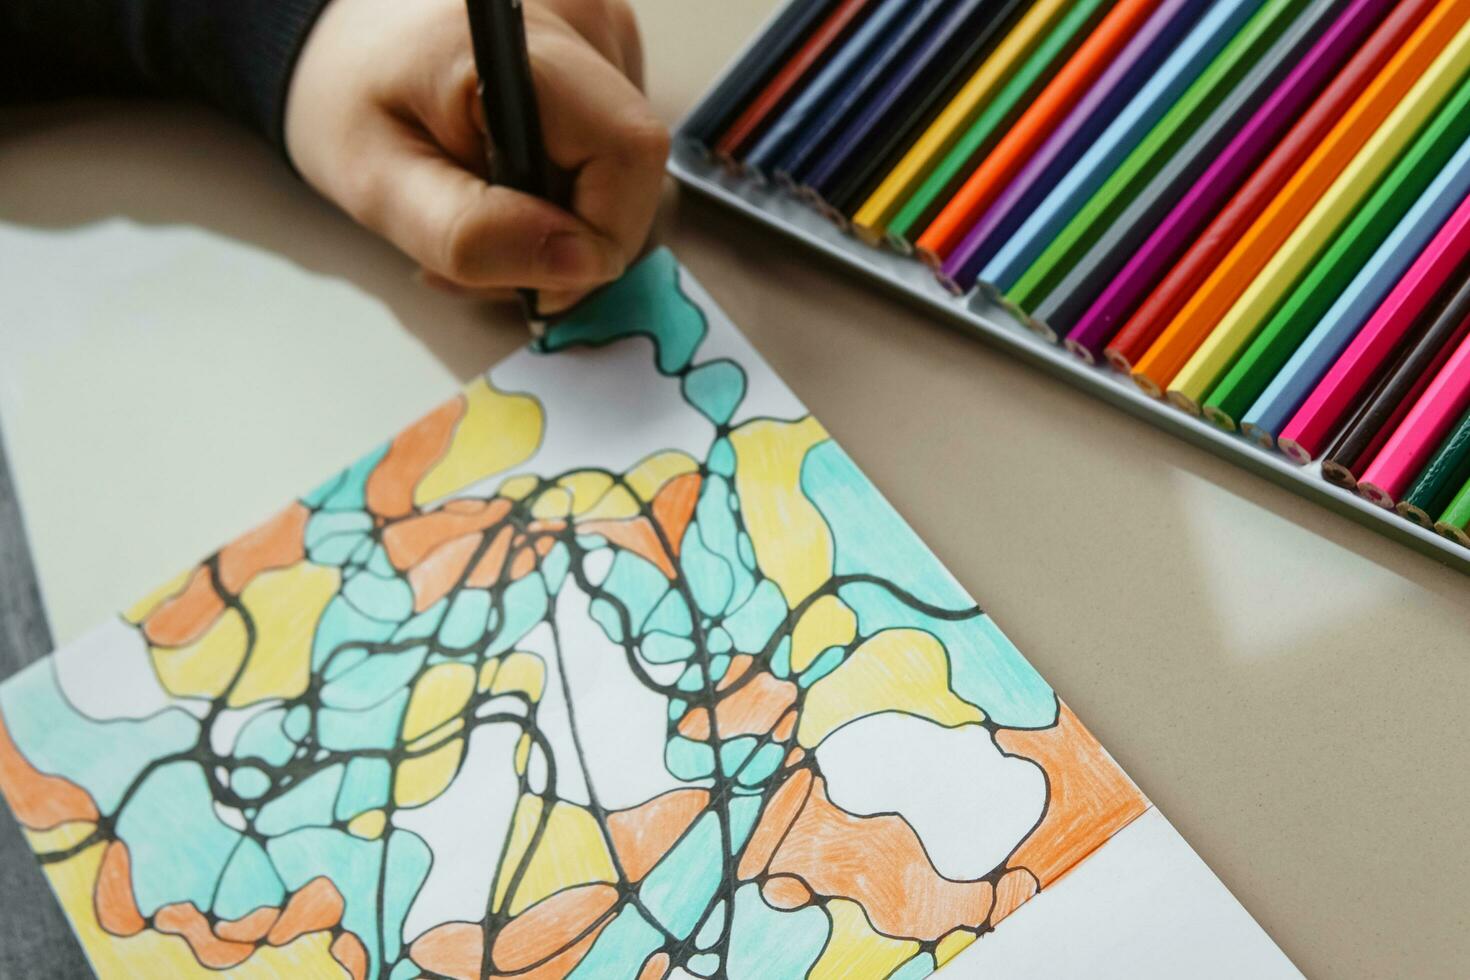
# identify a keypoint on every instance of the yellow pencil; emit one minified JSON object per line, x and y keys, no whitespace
{"x":1239,"y":326}
{"x":880,"y":207}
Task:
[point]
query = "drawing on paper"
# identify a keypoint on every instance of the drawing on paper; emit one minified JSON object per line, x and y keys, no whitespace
{"x":614,"y":665}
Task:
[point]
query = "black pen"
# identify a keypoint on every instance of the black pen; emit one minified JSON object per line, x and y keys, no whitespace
{"x":517,"y":151}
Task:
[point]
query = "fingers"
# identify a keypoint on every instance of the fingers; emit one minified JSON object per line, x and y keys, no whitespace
{"x":608,"y":25}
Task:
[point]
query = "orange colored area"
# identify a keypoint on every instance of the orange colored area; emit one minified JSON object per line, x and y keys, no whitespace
{"x":775,"y":820}
{"x":785,"y":892}
{"x":739,"y":664}
{"x":432,"y":578}
{"x":1091,"y":798}
{"x":636,"y":534}
{"x":184,"y":920}
{"x":248,"y":928}
{"x":317,"y":905}
{"x":278,"y":543}
{"x":1015,"y":887}
{"x":117,"y":909}
{"x":390,"y":486}
{"x":796,"y":754}
{"x":453,"y":949}
{"x":40,"y":801}
{"x":673,"y":507}
{"x":563,"y":963}
{"x":492,"y":562}
{"x":878,"y":862}
{"x":551,"y":925}
{"x":656,"y":967}
{"x":643,"y":834}
{"x":347,"y":950}
{"x":785,"y":727}
{"x":182,"y":618}
{"x":411,"y":540}
{"x":752,"y":709}
{"x":523,"y":563}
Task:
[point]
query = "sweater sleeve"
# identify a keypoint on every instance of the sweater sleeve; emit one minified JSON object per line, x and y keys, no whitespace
{"x":234,"y":54}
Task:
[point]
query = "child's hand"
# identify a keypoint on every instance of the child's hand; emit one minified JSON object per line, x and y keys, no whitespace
{"x":383,"y":118}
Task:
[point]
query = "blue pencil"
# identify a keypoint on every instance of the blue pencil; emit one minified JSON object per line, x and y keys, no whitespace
{"x":1162,"y":90}
{"x":1342,"y":321}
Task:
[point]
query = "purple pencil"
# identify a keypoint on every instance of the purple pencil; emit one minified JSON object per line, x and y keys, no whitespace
{"x":1255,"y":139}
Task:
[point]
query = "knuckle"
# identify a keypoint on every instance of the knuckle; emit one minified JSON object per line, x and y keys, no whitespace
{"x":461,"y":252}
{"x":647,"y":140}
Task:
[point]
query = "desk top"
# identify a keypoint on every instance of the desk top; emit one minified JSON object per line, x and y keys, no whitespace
{"x":189,"y":338}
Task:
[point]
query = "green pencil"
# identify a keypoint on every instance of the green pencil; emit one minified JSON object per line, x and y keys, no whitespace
{"x":1213,"y":84}
{"x":1446,"y":472}
{"x":1456,"y":517}
{"x":1304,"y":306}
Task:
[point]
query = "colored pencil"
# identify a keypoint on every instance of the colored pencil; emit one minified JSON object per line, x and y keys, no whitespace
{"x":817,"y":94}
{"x":1044,"y":114}
{"x":1218,"y":133}
{"x":1203,"y":43}
{"x":754,"y":70}
{"x":961,"y":111}
{"x":1178,"y":341}
{"x":1429,"y":343}
{"x":1213,"y":85}
{"x":1456,"y":518}
{"x":782,"y":86}
{"x":1415,"y":439}
{"x":1102,"y":102}
{"x":1313,"y":424}
{"x":890,"y":145}
{"x":1443,"y":476}
{"x":1345,"y":256}
{"x":961,"y":20}
{"x":977,"y":140}
{"x":1254,"y":144}
{"x":1313,"y":355}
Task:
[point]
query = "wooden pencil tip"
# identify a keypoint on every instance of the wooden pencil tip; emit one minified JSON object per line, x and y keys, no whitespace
{"x":1117,"y":360}
{"x":1416,"y":514}
{"x":899,"y":244}
{"x":868,"y":235}
{"x":1042,"y":329}
{"x":1218,"y":417}
{"x":1340,"y":475}
{"x":1182,"y":401}
{"x":1258,"y":435}
{"x":1456,"y":534}
{"x":927,"y":257}
{"x":1080,"y":350}
{"x":1375,"y":494}
{"x":1147,"y":384}
{"x":1294,"y":451}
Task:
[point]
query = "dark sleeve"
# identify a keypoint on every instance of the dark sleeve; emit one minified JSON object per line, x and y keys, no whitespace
{"x":234,"y":54}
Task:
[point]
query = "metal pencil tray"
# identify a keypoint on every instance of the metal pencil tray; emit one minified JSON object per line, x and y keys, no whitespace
{"x":996,"y":325}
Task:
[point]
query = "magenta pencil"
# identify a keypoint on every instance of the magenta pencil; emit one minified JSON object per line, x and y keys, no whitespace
{"x":1314,"y":423}
{"x":1404,"y":454}
{"x":1182,"y":225}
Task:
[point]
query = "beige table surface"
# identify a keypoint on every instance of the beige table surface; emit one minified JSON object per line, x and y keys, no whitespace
{"x":188,"y":338}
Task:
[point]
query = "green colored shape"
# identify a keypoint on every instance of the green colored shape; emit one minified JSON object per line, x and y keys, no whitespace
{"x":689,"y":760}
{"x":768,"y":944}
{"x":249,"y":782}
{"x":679,"y":889}
{"x":525,"y":605}
{"x":353,"y":865}
{"x":824,"y":664}
{"x":331,"y":537}
{"x":344,"y":661}
{"x":677,"y":707}
{"x":781,"y":659}
{"x":661,"y":648}
{"x":464,"y":623}
{"x":637,"y":584}
{"x":1456,"y":516}
{"x":648,"y":302}
{"x":1445,"y":473}
{"x":424,"y":624}
{"x":716,"y":389}
{"x":1033,"y":73}
{"x":754,"y":623}
{"x":342,"y":623}
{"x":297,"y":722}
{"x":264,"y":737}
{"x":409,"y":859}
{"x":714,"y":925}
{"x":606,"y":615}
{"x":354,"y":731}
{"x":377,"y":678}
{"x":364,"y":787}
{"x":708,"y":575}
{"x":628,"y":939}
{"x":718,"y":641}
{"x":1222,"y":74}
{"x":177,"y":844}
{"x":915,"y":969}
{"x":378,"y":563}
{"x":734,"y":752}
{"x":704,"y":964}
{"x":717,"y":666}
{"x":762,"y":765}
{"x":722,"y":458}
{"x":385,"y":599}
{"x":670,"y":616}
{"x":249,"y":882}
{"x":742,"y":812}
{"x":307,"y":804}
{"x":345,"y":491}
{"x":555,"y":566}
{"x":406,"y":970}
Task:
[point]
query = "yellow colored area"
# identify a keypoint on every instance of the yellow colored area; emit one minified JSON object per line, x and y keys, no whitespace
{"x":896,"y":670}
{"x":554,"y":503}
{"x":285,"y":606}
{"x":952,"y":945}
{"x":517,"y":487}
{"x":58,"y":838}
{"x":422,"y":778}
{"x":436,"y":736}
{"x":523,"y":754}
{"x":368,"y":825}
{"x":151,"y":954}
{"x":855,"y":949}
{"x":792,"y":544}
{"x":571,"y":852}
{"x":441,"y":693}
{"x":587,"y":487}
{"x":140,"y":609}
{"x":498,"y":431}
{"x":615,"y":505}
{"x":826,"y":623}
{"x":516,"y":671}
{"x":652,"y":473}
{"x":205,"y":667}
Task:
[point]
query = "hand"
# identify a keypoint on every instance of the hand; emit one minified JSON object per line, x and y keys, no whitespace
{"x":382,"y":117}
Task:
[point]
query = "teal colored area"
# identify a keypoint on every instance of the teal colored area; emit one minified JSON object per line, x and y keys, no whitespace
{"x":422,"y":625}
{"x":379,"y":564}
{"x":682,"y":885}
{"x":687,"y":759}
{"x":756,"y":621}
{"x":406,"y":970}
{"x":627,"y":940}
{"x":386,"y":599}
{"x":332,"y":537}
{"x":661,"y":648}
{"x":677,"y":707}
{"x":307,"y":804}
{"x":525,"y":605}
{"x":249,"y":782}
{"x":670,"y":616}
{"x":59,"y":740}
{"x":464,"y":623}
{"x":721,"y":458}
{"x":606,"y":615}
{"x":920,"y":966}
{"x":176,"y":842}
{"x":781,"y":659}
{"x":826,"y":662}
{"x":364,"y":787}
{"x":733,"y":752}
{"x":708,"y":575}
{"x":264,"y":737}
{"x":555,"y":566}
{"x":353,"y":865}
{"x":768,"y":944}
{"x":376,"y":678}
{"x":704,"y":964}
{"x":297,"y":722}
{"x":353,"y":731}
{"x":648,"y":302}
{"x":985,"y":667}
{"x":719,"y":532}
{"x":345,"y":660}
{"x":713,"y":928}
{"x":345,"y":490}
{"x":716,"y":389}
{"x":409,"y":859}
{"x":249,"y":882}
{"x":717,"y":641}
{"x":743,"y":812}
{"x":718,"y":666}
{"x":637,"y":584}
{"x":762,"y":765}
{"x":342,"y":623}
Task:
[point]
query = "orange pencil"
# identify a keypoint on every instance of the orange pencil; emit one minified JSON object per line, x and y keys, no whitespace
{"x":1224,"y":285}
{"x":1089,"y":61}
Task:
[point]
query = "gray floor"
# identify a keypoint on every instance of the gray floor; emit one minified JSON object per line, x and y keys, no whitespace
{"x":35,"y":941}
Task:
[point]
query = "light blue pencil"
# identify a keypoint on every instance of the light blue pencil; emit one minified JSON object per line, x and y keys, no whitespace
{"x":1154,"y":99}
{"x":874,"y":31}
{"x":1342,"y":321}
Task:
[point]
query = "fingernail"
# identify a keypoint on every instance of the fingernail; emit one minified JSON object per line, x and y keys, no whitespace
{"x":568,"y":255}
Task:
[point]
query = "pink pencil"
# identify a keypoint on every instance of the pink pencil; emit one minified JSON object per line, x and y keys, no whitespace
{"x":1404,"y":454}
{"x":1314,"y":423}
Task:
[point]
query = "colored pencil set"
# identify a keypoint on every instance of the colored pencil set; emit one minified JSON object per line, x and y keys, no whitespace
{"x":1257,"y":209}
